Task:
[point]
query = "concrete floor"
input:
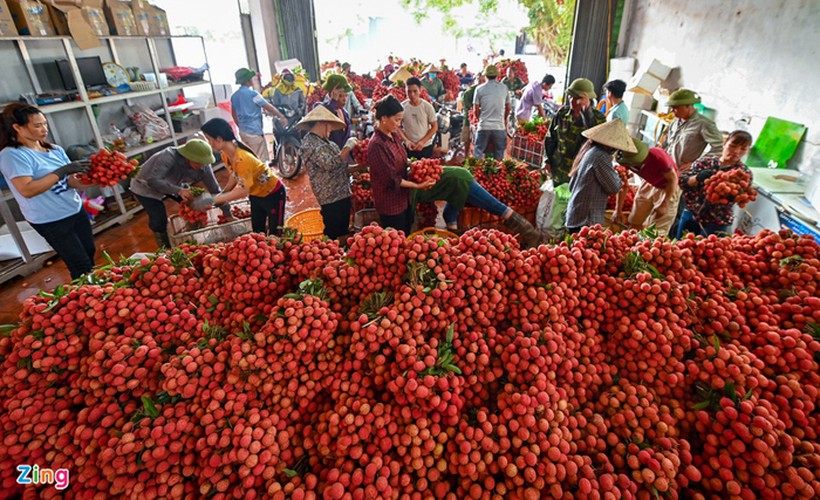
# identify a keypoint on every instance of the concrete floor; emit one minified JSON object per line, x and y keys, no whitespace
{"x":126,"y":239}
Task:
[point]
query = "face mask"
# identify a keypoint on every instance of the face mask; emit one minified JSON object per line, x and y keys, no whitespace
{"x":431,"y":75}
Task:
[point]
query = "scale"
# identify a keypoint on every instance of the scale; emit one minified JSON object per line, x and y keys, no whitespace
{"x":115,"y":74}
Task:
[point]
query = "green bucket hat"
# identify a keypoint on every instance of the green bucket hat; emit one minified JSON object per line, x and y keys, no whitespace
{"x":491,"y":70}
{"x":682,"y":97}
{"x":581,"y":86}
{"x":244,"y":75}
{"x":635,"y":158}
{"x":336,"y":81}
{"x":197,"y":151}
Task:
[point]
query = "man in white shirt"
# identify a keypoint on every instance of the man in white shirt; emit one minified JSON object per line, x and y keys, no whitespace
{"x":492,"y":108}
{"x":420,"y":123}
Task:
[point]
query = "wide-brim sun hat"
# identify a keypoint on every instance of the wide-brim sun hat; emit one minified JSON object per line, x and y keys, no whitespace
{"x":400,"y":75}
{"x":612,"y":134}
{"x":321,"y":114}
{"x":638,"y":157}
{"x":197,"y":151}
{"x":431,"y":68}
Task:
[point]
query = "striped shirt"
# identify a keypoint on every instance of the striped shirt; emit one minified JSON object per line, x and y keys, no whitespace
{"x":590,"y":187}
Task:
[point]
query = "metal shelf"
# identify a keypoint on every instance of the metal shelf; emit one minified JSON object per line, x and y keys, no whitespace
{"x":148,"y":147}
{"x":187,"y":133}
{"x":143,"y":93}
{"x":61,"y":106}
{"x":64,"y":46}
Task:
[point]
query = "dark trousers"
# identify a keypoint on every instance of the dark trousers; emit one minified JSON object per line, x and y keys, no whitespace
{"x":73,"y":240}
{"x":336,"y":217}
{"x":688,"y":224}
{"x":157,"y":215}
{"x":402,"y":221}
{"x":422,"y":153}
{"x":268,"y":212}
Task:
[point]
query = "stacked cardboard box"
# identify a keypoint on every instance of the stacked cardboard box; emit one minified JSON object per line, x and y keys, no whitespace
{"x":621,"y":68}
{"x":31,"y":18}
{"x":7,"y":27}
{"x":82,"y":20}
{"x":649,"y":78}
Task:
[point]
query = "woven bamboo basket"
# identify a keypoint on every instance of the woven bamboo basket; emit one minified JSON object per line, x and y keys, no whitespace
{"x":309,"y":223}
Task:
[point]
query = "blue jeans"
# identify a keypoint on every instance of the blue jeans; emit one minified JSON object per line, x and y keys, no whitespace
{"x":483,"y":137}
{"x":477,"y":197}
{"x":688,"y":224}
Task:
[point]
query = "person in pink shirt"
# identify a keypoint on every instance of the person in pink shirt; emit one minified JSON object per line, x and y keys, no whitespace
{"x":532,"y":97}
{"x":657,"y":198}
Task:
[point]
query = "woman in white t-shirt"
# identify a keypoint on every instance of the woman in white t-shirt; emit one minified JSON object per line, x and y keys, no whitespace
{"x":42,"y":180}
{"x":420,"y":122}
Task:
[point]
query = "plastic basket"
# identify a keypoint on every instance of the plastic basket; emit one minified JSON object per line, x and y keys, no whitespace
{"x":432,"y":231}
{"x":472,"y":217}
{"x":180,"y":231}
{"x":309,"y":223}
{"x":529,"y":152}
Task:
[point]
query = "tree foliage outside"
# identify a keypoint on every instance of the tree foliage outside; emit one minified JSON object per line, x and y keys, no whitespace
{"x":550,"y":22}
{"x":551,"y":27}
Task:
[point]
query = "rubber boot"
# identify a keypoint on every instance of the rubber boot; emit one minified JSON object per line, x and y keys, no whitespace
{"x":518,"y":224}
{"x":162,"y":240}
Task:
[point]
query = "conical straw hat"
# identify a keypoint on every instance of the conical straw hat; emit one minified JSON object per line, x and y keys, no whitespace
{"x":431,"y":68}
{"x":612,"y":134}
{"x":320,"y":114}
{"x":400,"y":75}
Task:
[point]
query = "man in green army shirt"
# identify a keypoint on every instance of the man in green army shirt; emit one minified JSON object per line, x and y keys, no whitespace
{"x":466,"y":106}
{"x":564,"y":138}
{"x":431,"y":82}
{"x":458,"y":188}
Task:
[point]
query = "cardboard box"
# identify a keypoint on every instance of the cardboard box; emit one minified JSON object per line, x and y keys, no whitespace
{"x":7,"y":27}
{"x":31,"y":18}
{"x":58,"y":19}
{"x":644,"y":83}
{"x":656,"y":69}
{"x":624,"y":77}
{"x":159,"y":21}
{"x":69,"y":19}
{"x":638,"y":101}
{"x":622,"y":65}
{"x":634,"y":116}
{"x":120,"y":18}
{"x":95,"y":15}
{"x":142,"y":16}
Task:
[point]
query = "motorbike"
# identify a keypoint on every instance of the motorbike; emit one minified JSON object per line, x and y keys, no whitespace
{"x":363,"y":124}
{"x":288,"y":140}
{"x":448,"y":136}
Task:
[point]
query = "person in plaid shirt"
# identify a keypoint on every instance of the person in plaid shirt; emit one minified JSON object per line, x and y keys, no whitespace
{"x":388,"y":168}
{"x":700,"y":216}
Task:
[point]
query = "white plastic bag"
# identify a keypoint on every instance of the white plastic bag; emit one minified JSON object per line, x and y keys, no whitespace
{"x":542,"y":215}
{"x":151,"y":126}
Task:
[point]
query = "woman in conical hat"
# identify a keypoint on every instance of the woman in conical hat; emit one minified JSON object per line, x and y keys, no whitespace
{"x":593,"y":177}
{"x":328,"y":169}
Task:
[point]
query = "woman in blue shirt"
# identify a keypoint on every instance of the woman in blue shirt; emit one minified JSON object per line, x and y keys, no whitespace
{"x":42,"y":180}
